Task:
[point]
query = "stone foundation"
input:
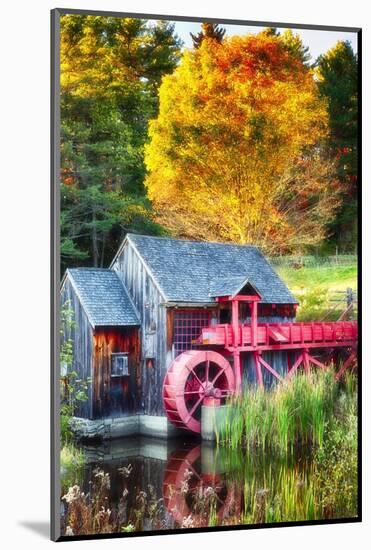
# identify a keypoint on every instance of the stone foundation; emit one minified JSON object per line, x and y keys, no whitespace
{"x":105,"y":429}
{"x":113,"y":428}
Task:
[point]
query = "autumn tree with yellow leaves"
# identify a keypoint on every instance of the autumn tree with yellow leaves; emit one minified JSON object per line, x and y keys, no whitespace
{"x":235,"y":153}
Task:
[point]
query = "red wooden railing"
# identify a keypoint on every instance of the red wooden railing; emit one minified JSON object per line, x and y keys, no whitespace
{"x":281,"y":335}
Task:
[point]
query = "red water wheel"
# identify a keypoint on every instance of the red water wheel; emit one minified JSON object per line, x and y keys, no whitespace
{"x":192,"y":377}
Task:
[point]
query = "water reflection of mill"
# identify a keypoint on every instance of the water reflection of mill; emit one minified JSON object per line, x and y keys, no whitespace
{"x":192,"y":480}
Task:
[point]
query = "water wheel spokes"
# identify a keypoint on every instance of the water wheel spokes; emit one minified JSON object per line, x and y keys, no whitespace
{"x":193,"y":376}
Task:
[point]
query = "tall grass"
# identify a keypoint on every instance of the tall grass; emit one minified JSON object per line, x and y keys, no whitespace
{"x":72,"y":462}
{"x":288,"y":496}
{"x":293,"y":413}
{"x":314,"y":481}
{"x":71,"y":457}
{"x":336,"y":472}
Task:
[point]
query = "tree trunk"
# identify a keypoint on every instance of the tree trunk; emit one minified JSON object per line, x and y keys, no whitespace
{"x":95,"y":241}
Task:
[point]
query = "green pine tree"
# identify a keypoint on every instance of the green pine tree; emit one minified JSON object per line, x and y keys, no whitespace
{"x":337,"y":72}
{"x":111,"y":69}
{"x":208,"y":30}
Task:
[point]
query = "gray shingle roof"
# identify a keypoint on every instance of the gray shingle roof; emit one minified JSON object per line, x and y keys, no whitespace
{"x":104,"y":297}
{"x":228,"y":286}
{"x":188,"y":271}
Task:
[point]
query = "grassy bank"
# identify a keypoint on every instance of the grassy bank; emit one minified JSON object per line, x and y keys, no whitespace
{"x":314,"y":287}
{"x":324,"y":277}
{"x":71,"y":457}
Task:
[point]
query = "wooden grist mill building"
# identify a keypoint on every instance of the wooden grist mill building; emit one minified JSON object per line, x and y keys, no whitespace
{"x":175,"y":325}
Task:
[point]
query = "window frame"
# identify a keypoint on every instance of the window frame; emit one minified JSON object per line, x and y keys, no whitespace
{"x":118,"y":355}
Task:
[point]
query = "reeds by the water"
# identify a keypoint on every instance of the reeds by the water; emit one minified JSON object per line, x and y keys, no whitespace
{"x":286,"y":497}
{"x":294,"y":413}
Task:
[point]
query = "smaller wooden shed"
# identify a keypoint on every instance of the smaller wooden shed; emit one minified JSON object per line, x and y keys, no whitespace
{"x":105,"y":339}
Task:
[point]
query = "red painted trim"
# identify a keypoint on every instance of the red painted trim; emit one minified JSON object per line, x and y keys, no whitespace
{"x":254,"y":323}
{"x":237,"y":371}
{"x":235,"y":322}
{"x":295,"y":366}
{"x":258,"y":370}
{"x":298,"y":346}
{"x":270,"y":369}
{"x":238,"y":298}
{"x":346,"y":365}
{"x":316,"y":362}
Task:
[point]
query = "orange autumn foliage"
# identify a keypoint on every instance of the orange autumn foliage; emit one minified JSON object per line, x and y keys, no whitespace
{"x":235,"y":154}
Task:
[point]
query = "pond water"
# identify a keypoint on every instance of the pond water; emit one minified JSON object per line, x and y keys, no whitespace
{"x":150,"y":484}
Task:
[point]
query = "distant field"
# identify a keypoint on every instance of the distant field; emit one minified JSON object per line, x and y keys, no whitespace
{"x":327,"y":277}
{"x":313,"y":287}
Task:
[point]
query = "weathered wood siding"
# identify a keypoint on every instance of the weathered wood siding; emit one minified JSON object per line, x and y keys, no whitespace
{"x":81,"y":334}
{"x":150,"y":305}
{"x":115,"y":396}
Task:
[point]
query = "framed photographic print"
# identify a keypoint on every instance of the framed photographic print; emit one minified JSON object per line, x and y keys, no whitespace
{"x":206,"y":282}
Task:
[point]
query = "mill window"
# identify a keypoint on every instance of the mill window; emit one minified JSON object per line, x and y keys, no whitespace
{"x":119,"y":364}
{"x":187,"y":327}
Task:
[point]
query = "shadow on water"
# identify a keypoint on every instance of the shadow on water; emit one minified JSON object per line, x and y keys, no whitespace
{"x":151,"y":484}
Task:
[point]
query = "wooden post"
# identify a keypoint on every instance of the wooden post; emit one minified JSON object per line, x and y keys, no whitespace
{"x":350,"y":301}
{"x":254,"y":323}
{"x":258,"y":369}
{"x":235,"y":322}
{"x":306,"y":361}
{"x":237,"y":371}
{"x":295,"y":366}
{"x":347,"y":364}
{"x":236,"y":353}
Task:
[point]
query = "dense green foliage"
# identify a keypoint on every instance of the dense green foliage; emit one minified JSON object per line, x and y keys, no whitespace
{"x":338,"y":81}
{"x":336,"y":473}
{"x":73,"y":391}
{"x":111,"y":69}
{"x":72,"y":461}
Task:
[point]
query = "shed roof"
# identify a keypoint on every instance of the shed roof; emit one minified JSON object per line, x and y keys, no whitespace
{"x":191,"y":271}
{"x":230,"y":286}
{"x":104,"y":297}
